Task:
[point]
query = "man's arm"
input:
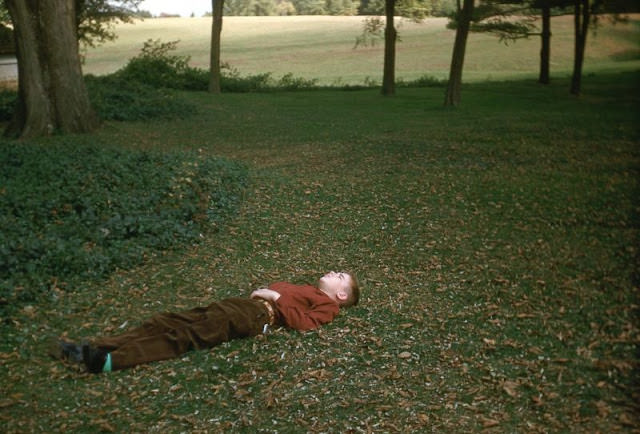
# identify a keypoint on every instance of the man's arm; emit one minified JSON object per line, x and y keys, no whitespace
{"x":300,"y":317}
{"x":266,"y":293}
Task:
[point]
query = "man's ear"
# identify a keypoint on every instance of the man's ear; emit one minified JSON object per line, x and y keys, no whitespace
{"x":342,"y":295}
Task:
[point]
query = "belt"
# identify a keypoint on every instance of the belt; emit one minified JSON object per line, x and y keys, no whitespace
{"x":270,"y":311}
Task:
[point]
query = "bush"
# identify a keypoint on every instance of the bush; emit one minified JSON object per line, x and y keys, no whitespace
{"x":142,"y":89}
{"x":289,"y":82}
{"x":424,"y":81}
{"x":156,"y":67}
{"x":8,"y":99}
{"x":119,"y":99}
{"x":232,"y":81}
{"x":73,"y":213}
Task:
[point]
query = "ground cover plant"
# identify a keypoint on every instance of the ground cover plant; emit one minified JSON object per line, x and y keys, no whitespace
{"x":75,"y":212}
{"x":496,"y":243}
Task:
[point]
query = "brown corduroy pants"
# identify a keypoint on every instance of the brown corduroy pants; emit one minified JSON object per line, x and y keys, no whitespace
{"x":168,"y":335}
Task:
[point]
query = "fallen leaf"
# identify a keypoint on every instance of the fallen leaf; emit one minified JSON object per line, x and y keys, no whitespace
{"x":29,"y":311}
{"x":511,"y":388}
{"x":488,"y":423}
{"x":537,"y":400}
{"x":7,"y":403}
{"x":603,"y":408}
{"x":104,"y":425}
{"x":626,"y":420}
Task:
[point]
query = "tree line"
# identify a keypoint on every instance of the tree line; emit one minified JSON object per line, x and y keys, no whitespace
{"x":434,"y":8}
{"x":52,"y":95}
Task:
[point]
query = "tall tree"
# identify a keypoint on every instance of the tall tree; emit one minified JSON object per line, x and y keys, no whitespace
{"x":547,"y":9}
{"x":215,"y":74}
{"x":544,"y":76}
{"x":581,"y":18}
{"x":51,"y":91}
{"x":415,"y":10}
{"x":511,"y":20}
{"x":463,"y":21}
{"x":514,"y":19}
{"x":390,"y":36}
{"x":585,"y":13}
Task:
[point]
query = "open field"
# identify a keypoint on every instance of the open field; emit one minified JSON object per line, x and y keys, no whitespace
{"x":323,"y":48}
{"x":497,"y":244}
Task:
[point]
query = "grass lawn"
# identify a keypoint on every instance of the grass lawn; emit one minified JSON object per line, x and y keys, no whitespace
{"x":496,"y":243}
{"x":323,"y":48}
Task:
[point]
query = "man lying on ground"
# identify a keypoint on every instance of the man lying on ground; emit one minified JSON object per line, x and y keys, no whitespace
{"x":168,"y":335}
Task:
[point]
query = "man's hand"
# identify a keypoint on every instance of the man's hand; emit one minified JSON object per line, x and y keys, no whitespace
{"x":266,"y":293}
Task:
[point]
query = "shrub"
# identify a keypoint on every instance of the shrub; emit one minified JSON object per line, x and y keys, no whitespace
{"x":424,"y":81}
{"x":232,"y":81}
{"x":8,"y":98}
{"x":116,"y":98}
{"x":289,"y":82}
{"x":72,"y":213}
{"x":156,"y":67}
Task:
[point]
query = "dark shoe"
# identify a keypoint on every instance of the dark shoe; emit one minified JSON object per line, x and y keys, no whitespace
{"x":93,"y":358}
{"x":64,"y":350}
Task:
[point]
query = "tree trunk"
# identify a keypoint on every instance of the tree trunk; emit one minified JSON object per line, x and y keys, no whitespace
{"x":581,"y":18}
{"x":216,"y":29}
{"x":452,"y":97}
{"x":545,"y":51}
{"x":390,"y":36}
{"x":51,"y":91}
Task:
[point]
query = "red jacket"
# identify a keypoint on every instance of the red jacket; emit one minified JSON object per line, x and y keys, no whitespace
{"x":303,"y":307}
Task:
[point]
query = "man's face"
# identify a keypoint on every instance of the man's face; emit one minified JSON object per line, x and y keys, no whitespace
{"x":335,"y":282}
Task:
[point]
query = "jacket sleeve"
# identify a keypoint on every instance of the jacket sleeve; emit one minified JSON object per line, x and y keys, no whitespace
{"x":299,"y":317}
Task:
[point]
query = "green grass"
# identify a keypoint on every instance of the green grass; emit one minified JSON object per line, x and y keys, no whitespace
{"x":497,"y":246}
{"x":323,"y":48}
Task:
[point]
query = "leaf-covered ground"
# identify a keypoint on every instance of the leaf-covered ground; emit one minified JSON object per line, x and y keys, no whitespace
{"x":497,"y":246}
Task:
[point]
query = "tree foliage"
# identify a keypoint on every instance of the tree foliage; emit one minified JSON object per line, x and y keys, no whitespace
{"x":372,"y":32}
{"x":405,"y":8}
{"x":511,"y":20}
{"x":95,"y":18}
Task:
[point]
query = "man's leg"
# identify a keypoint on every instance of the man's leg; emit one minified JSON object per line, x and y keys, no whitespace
{"x":220,"y":322}
{"x":156,"y":325}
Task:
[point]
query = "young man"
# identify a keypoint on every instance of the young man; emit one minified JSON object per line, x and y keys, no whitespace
{"x":168,"y":335}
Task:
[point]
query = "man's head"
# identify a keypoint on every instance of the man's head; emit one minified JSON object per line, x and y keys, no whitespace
{"x":343,"y":288}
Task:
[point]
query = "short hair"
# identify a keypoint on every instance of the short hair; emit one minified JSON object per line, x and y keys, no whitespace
{"x":354,"y":293}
